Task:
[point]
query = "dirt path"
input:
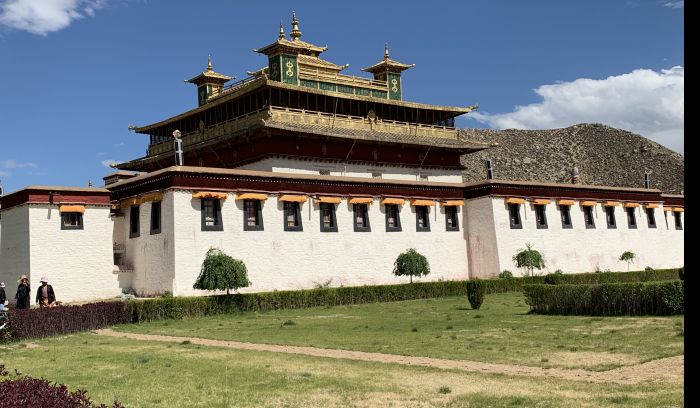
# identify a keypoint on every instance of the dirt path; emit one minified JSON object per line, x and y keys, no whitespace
{"x":666,"y":369}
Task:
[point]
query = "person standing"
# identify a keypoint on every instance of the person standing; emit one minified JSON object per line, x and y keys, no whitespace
{"x":45,"y":296}
{"x":3,"y":297}
{"x":23,"y":293}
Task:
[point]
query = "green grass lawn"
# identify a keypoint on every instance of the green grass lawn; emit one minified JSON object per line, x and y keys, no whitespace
{"x":152,"y":374}
{"x":501,"y":331}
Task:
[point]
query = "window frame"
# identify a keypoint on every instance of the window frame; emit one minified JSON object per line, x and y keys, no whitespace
{"x":426,"y":210}
{"x":156,"y":204}
{"x":651,"y":221}
{"x":72,"y":227}
{"x":610,"y":215}
{"x":334,"y":222}
{"x":289,"y":206}
{"x":565,"y":211}
{"x":216,"y":203}
{"x":451,"y":209}
{"x":397,"y":222}
{"x":588,"y":210}
{"x":514,"y":208}
{"x":134,"y":214}
{"x":543,"y":209}
{"x":630,"y":212}
{"x":260,"y":226}
{"x":364,"y":209}
{"x":677,"y":220}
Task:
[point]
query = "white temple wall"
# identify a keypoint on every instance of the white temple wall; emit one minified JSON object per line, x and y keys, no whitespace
{"x":481,"y":238}
{"x":579,"y":249}
{"x":151,"y":256}
{"x":14,"y":255}
{"x":282,"y":165}
{"x":78,"y":263}
{"x":285,"y":260}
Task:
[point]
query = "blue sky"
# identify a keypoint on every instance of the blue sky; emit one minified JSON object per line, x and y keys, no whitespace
{"x":76,"y":73}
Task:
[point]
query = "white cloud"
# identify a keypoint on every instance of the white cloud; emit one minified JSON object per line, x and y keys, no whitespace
{"x":13,"y":164}
{"x":45,"y":16}
{"x":5,"y":174}
{"x":675,"y":4}
{"x":110,"y":162}
{"x":643,"y":101}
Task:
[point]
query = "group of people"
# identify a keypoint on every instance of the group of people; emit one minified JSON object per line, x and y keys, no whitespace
{"x":45,"y":295}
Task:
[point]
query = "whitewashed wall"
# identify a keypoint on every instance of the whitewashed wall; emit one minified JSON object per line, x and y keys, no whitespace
{"x":151,"y":255}
{"x":14,"y":258}
{"x":582,"y":250}
{"x":278,"y":259}
{"x":282,"y":165}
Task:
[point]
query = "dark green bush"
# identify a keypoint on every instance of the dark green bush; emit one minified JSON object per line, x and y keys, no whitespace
{"x":607,"y":299}
{"x":554,"y":278}
{"x":506,"y":274}
{"x":475,"y":292}
{"x":680,"y":273}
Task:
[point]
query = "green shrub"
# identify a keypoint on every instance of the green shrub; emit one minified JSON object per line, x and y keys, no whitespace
{"x":221,"y":272}
{"x":529,"y":258}
{"x":628,"y":256}
{"x":506,"y":274}
{"x":554,"y":278}
{"x":411,"y":263}
{"x":607,"y":299}
{"x":475,"y":292}
{"x":680,"y":272}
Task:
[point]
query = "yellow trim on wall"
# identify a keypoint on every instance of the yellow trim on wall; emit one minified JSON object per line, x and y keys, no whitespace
{"x":588,"y":203}
{"x":420,"y":202}
{"x":515,"y":200}
{"x":677,"y":209}
{"x":210,"y":194}
{"x":329,"y":200}
{"x":611,"y":204}
{"x":71,"y":209}
{"x":566,"y":202}
{"x":651,"y":205}
{"x":389,"y":200}
{"x":293,"y":198}
{"x":452,"y":203}
{"x":541,"y":201}
{"x":251,"y":196}
{"x":630,"y":205}
{"x":361,"y":200}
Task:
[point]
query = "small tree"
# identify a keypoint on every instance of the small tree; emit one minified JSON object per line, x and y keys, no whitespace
{"x":220,"y":271}
{"x":628,"y":256}
{"x":529,"y":259}
{"x":411,"y":263}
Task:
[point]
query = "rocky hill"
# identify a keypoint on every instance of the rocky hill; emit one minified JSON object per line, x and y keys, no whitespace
{"x":604,"y":156}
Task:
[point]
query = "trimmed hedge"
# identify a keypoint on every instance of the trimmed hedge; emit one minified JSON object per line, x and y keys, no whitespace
{"x":144,"y":310}
{"x":38,"y":323}
{"x":475,"y":292}
{"x":607,"y":299}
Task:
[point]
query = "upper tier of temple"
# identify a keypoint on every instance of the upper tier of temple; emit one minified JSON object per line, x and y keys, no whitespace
{"x":297,"y":88}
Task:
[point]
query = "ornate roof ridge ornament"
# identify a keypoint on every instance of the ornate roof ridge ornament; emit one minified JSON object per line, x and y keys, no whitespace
{"x":281,"y":34}
{"x":209,"y":67}
{"x":296,"y":34}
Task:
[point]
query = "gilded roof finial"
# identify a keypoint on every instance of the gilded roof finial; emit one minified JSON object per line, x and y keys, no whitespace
{"x":296,"y":34}
{"x":209,"y":67}
{"x":386,"y":52}
{"x":281,"y":35}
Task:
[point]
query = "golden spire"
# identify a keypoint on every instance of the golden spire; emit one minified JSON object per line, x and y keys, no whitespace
{"x":209,"y":67}
{"x":281,"y":35}
{"x":386,"y":52}
{"x":296,"y":34}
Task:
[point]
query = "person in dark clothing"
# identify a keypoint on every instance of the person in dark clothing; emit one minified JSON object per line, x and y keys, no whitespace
{"x":3,"y":297}
{"x":23,"y":293}
{"x":45,"y":296}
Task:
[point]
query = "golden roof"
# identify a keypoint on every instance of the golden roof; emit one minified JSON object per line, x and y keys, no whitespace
{"x":295,"y":45}
{"x":209,"y":74}
{"x":388,"y":64}
{"x":320,"y":63}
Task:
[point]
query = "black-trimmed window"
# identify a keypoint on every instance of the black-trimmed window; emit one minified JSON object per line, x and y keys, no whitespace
{"x":451,"y":218}
{"x":327,"y":214}
{"x":514,"y":215}
{"x":541,"y":216}
{"x":588,"y":217}
{"x":565,"y":211}
{"x":422,"y":218}
{"x":155,"y":217}
{"x":631,"y":217}
{"x":292,"y":216}
{"x":677,"y":219}
{"x":360,"y":216}
{"x":134,"y":221}
{"x":610,"y":216}
{"x":211,"y":215}
{"x":71,"y":221}
{"x":651,"y":217}
{"x":393,"y":218}
{"x":252,"y":215}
